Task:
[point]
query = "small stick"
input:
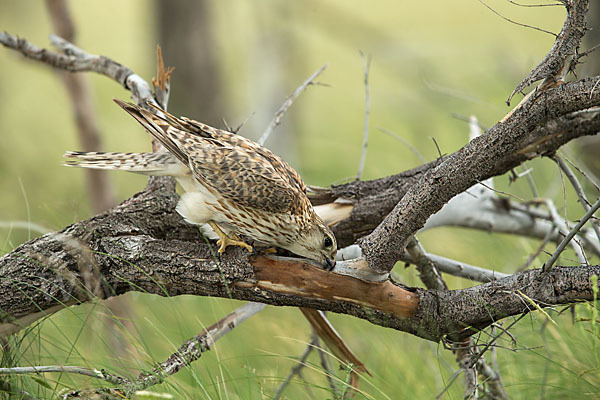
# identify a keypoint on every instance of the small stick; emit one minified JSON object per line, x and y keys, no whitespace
{"x":578,"y":189}
{"x":296,"y":369}
{"x":404,"y":142}
{"x":572,"y":233}
{"x":94,"y":373}
{"x":288,"y":103}
{"x":366,"y":65}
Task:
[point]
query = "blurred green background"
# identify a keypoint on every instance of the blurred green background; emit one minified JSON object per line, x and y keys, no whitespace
{"x":433,"y":65}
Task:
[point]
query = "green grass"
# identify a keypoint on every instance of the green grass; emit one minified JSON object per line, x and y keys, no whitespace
{"x":250,"y":362}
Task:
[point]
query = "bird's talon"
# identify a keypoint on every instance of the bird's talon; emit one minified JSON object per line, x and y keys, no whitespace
{"x":226,"y":241}
{"x":270,"y":250}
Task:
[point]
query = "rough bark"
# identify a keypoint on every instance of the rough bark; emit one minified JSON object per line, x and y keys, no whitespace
{"x":539,"y":127}
{"x":144,"y":245}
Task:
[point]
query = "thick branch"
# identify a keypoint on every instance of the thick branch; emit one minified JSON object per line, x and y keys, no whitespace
{"x":538,"y":128}
{"x":76,"y":60}
{"x":143,"y":245}
{"x":557,"y":62}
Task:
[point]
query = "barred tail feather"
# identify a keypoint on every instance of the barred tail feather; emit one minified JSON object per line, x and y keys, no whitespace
{"x":160,"y":164}
{"x":156,"y":126}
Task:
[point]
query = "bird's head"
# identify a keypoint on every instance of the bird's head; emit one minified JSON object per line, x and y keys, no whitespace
{"x":317,"y":243}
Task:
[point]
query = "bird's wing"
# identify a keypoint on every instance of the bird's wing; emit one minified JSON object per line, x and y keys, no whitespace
{"x":246,"y":178}
{"x":237,"y":168}
{"x":157,"y":126}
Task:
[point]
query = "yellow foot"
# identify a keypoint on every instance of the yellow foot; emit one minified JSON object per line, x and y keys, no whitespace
{"x":270,"y":250}
{"x":225,"y":240}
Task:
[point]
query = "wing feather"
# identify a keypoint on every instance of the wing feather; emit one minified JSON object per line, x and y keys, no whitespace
{"x":237,"y":168}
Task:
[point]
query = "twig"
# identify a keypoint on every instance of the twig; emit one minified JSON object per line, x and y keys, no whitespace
{"x":489,"y":344}
{"x":192,"y":349}
{"x":327,"y":369}
{"x":463,"y":270}
{"x":404,"y":142}
{"x":94,"y":373}
{"x":578,"y":190}
{"x":537,"y":252}
{"x":586,"y":174}
{"x":440,"y":155}
{"x":314,"y":342}
{"x":450,"y":382}
{"x":363,"y":156}
{"x":567,"y":239}
{"x":530,"y":181}
{"x":515,"y":22}
{"x":564,"y":230}
{"x":463,"y":355}
{"x":288,"y":103}
{"x":534,"y":5}
{"x":76,"y":60}
{"x":428,"y":272}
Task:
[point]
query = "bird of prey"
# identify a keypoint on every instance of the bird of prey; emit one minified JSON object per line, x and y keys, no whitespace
{"x":231,"y":183}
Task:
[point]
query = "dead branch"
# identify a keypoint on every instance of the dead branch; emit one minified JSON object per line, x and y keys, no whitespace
{"x":144,"y":245}
{"x":557,"y":63}
{"x":503,"y":147}
{"x":288,"y":103}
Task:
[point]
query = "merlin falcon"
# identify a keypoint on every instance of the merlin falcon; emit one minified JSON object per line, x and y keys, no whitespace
{"x":231,"y":183}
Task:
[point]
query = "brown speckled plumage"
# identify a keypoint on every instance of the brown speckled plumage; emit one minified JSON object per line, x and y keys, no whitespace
{"x":229,"y":180}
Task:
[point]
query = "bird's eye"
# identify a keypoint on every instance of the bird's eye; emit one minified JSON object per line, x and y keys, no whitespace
{"x":328,"y":242}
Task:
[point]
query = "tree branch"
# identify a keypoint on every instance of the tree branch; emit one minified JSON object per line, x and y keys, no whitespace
{"x":503,"y":147}
{"x":557,"y":63}
{"x":144,"y":245}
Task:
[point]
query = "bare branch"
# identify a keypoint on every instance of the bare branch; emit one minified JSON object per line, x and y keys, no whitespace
{"x":502,"y":148}
{"x":94,"y":373}
{"x":555,"y":65}
{"x":428,"y":272}
{"x":534,"y":5}
{"x":570,"y":236}
{"x":192,"y":349}
{"x":146,"y":234}
{"x":538,"y":251}
{"x":587,"y":174}
{"x":578,"y":190}
{"x":76,"y":60}
{"x":363,"y":156}
{"x":399,"y":138}
{"x":517,"y":23}
{"x":314,"y":342}
{"x":463,"y":356}
{"x":288,"y":103}
{"x":463,"y":270}
{"x":563,"y":228}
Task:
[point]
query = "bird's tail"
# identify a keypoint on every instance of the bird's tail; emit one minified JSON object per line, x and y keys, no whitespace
{"x":159,"y":164}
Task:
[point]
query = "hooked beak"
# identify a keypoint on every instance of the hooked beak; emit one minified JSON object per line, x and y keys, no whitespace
{"x":328,"y":264}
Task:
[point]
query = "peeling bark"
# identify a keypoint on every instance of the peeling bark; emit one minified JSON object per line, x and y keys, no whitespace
{"x":144,"y":245}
